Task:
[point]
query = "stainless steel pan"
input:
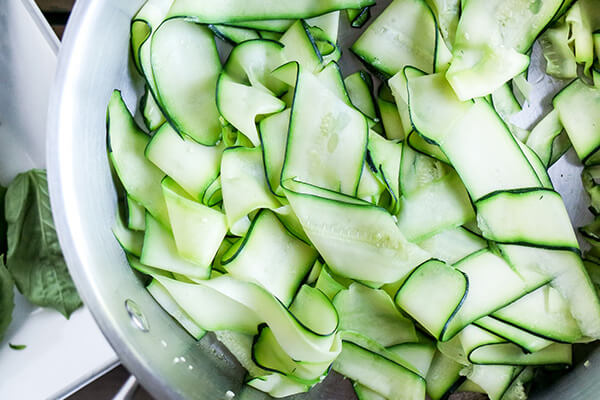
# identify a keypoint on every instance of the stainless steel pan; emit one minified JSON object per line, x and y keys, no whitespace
{"x":167,"y":361}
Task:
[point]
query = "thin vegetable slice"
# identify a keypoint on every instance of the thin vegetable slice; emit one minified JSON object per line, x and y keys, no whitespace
{"x":327,"y":139}
{"x":271,"y":257}
{"x":243,"y":10}
{"x":352,"y":234}
{"x":404,"y":34}
{"x":185,"y":64}
{"x":126,"y":146}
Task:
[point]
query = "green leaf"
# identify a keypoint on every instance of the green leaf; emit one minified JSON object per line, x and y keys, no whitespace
{"x":2,"y":221}
{"x":17,"y":346}
{"x":7,"y":298}
{"x":34,"y":257}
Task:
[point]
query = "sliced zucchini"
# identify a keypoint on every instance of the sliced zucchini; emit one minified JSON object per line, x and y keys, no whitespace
{"x":252,"y":62}
{"x":278,"y":385}
{"x":590,"y":176}
{"x":392,"y":124}
{"x":331,"y":77}
{"x":370,"y":187}
{"x":529,"y":223}
{"x":537,"y":165}
{"x":273,"y":135}
{"x":506,"y":105}
{"x":271,"y":257}
{"x":350,"y":234}
{"x":315,"y":311}
{"x":143,"y":26}
{"x":166,"y":301}
{"x":399,"y":88}
{"x":522,"y":86}
{"x":457,"y":127}
{"x":447,"y":13}
{"x":473,"y":337}
{"x":131,"y":241}
{"x":404,"y":34}
{"x":314,"y":273}
{"x":453,"y":349}
{"x":569,"y":278}
{"x":233,"y":34}
{"x":421,"y":145}
{"x":236,"y":11}
{"x":484,"y":348}
{"x":372,"y":313}
{"x":418,"y":170}
{"x":443,"y":56}
{"x":185,"y":65}
{"x":452,"y":245}
{"x":297,"y":340}
{"x":443,"y":374}
{"x":590,"y":233}
{"x":544,"y":135}
{"x":524,"y":339}
{"x":241,"y":105}
{"x":223,"y":313}
{"x":470,"y":386}
{"x":493,"y":379}
{"x":135,"y":263}
{"x":442,"y":286}
{"x":270,"y":25}
{"x":418,"y":354}
{"x":192,"y":165}
{"x":240,"y":345}
{"x":560,"y":60}
{"x":276,"y":36}
{"x":291,"y":222}
{"x":198,"y":230}
{"x":543,"y":312}
{"x":491,"y":39}
{"x":153,"y":116}
{"x":212,"y":193}
{"x":300,"y":46}
{"x":583,"y":18}
{"x":485,"y":271}
{"x":360,"y":90}
{"x":517,"y":388}
{"x":330,"y":284}
{"x":126,"y":145}
{"x":511,"y":354}
{"x":328,"y":23}
{"x":378,"y":373}
{"x":359,"y":17}
{"x":364,"y":393}
{"x":593,"y":269}
{"x":327,"y":139}
{"x":438,"y":206}
{"x":244,"y":184}
{"x":136,"y":215}
{"x":578,"y":107}
{"x":160,"y":251}
{"x":385,"y":156}
{"x":269,"y":355}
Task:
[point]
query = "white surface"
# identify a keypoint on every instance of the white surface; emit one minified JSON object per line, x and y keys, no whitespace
{"x":60,"y":354}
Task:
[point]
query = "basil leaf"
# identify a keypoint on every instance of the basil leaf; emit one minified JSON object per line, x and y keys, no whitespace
{"x":2,"y":221}
{"x":34,"y":257}
{"x":17,"y":346}
{"x":7,"y":298}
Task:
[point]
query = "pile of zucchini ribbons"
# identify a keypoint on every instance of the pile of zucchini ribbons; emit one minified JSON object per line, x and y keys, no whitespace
{"x":410,"y":240}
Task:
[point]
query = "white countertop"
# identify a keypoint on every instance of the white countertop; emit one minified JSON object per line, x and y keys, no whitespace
{"x":61,"y":355}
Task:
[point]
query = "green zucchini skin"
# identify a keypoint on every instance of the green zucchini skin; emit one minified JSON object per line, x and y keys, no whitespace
{"x":240,"y":11}
{"x":412,"y":240}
